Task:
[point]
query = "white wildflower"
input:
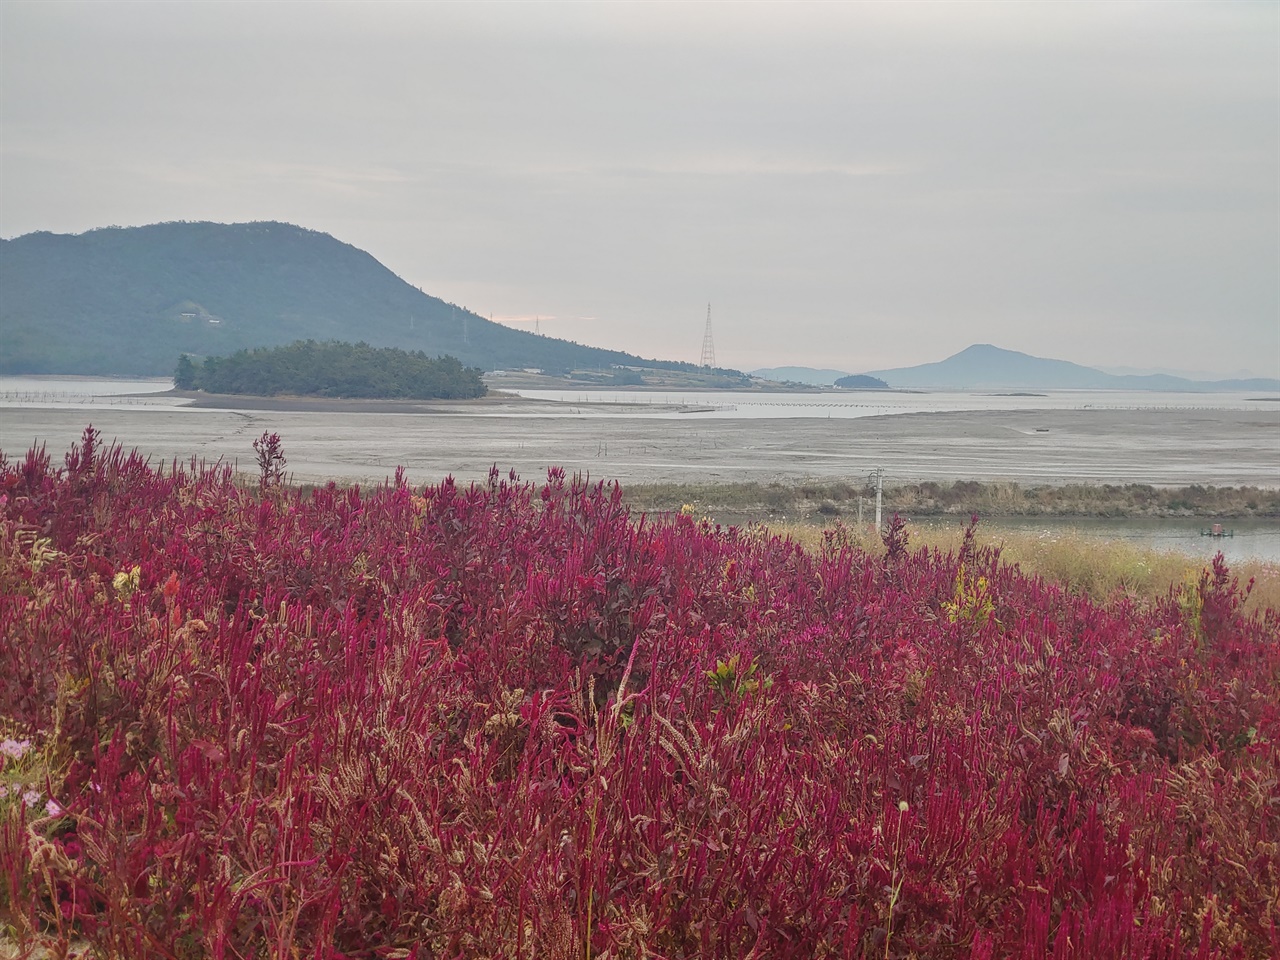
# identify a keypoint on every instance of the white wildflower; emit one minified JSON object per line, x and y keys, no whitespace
{"x":14,"y":748}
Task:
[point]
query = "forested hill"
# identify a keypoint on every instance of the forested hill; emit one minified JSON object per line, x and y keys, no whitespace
{"x":307,"y":368}
{"x":121,"y":301}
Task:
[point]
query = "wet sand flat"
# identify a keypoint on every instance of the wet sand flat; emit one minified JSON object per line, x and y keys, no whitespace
{"x":352,"y":441}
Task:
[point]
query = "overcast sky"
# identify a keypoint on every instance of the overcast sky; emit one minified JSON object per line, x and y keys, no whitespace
{"x":853,"y":186}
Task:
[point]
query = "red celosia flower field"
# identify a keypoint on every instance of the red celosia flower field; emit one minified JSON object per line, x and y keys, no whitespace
{"x":512,"y":720}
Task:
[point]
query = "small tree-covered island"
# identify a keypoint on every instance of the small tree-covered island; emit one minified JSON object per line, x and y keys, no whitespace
{"x":332,"y":369}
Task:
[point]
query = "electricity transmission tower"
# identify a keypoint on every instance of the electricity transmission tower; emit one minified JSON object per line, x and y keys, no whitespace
{"x":708,"y":347}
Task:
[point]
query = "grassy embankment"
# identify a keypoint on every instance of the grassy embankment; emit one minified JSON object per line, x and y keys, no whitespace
{"x":823,"y":501}
{"x":1087,"y":564}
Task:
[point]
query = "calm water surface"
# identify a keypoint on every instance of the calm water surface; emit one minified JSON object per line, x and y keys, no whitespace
{"x":1243,"y":539}
{"x":90,"y":392}
{"x":847,"y":403}
{"x":86,"y":393}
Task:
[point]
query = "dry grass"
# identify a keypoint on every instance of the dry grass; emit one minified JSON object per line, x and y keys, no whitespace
{"x":1077,"y":561}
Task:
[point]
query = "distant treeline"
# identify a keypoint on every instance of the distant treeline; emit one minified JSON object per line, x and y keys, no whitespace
{"x":860,"y":381}
{"x":332,"y":369}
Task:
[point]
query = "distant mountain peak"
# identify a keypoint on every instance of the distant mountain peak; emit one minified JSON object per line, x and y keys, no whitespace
{"x":984,"y":366}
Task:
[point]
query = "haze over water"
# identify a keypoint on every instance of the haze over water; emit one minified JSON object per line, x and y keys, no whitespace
{"x":751,"y":405}
{"x":91,"y":393}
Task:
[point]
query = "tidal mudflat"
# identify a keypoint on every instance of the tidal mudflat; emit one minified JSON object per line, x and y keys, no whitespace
{"x":351,"y":442}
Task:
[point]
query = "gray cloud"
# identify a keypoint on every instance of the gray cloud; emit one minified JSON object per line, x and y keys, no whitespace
{"x":854,"y":185}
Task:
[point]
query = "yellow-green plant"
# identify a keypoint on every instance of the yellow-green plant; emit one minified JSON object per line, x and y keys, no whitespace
{"x":972,"y":604}
{"x":126,"y":583}
{"x":1190,"y":599}
{"x":731,"y":678}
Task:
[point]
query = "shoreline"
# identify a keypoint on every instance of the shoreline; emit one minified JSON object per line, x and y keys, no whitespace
{"x":495,"y":401}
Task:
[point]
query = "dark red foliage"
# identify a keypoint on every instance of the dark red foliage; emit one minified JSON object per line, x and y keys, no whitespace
{"x":514,"y":720}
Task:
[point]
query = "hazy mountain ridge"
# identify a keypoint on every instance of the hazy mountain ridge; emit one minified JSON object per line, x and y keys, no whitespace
{"x":806,"y":375}
{"x":131,"y":300}
{"x":986,"y":367}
